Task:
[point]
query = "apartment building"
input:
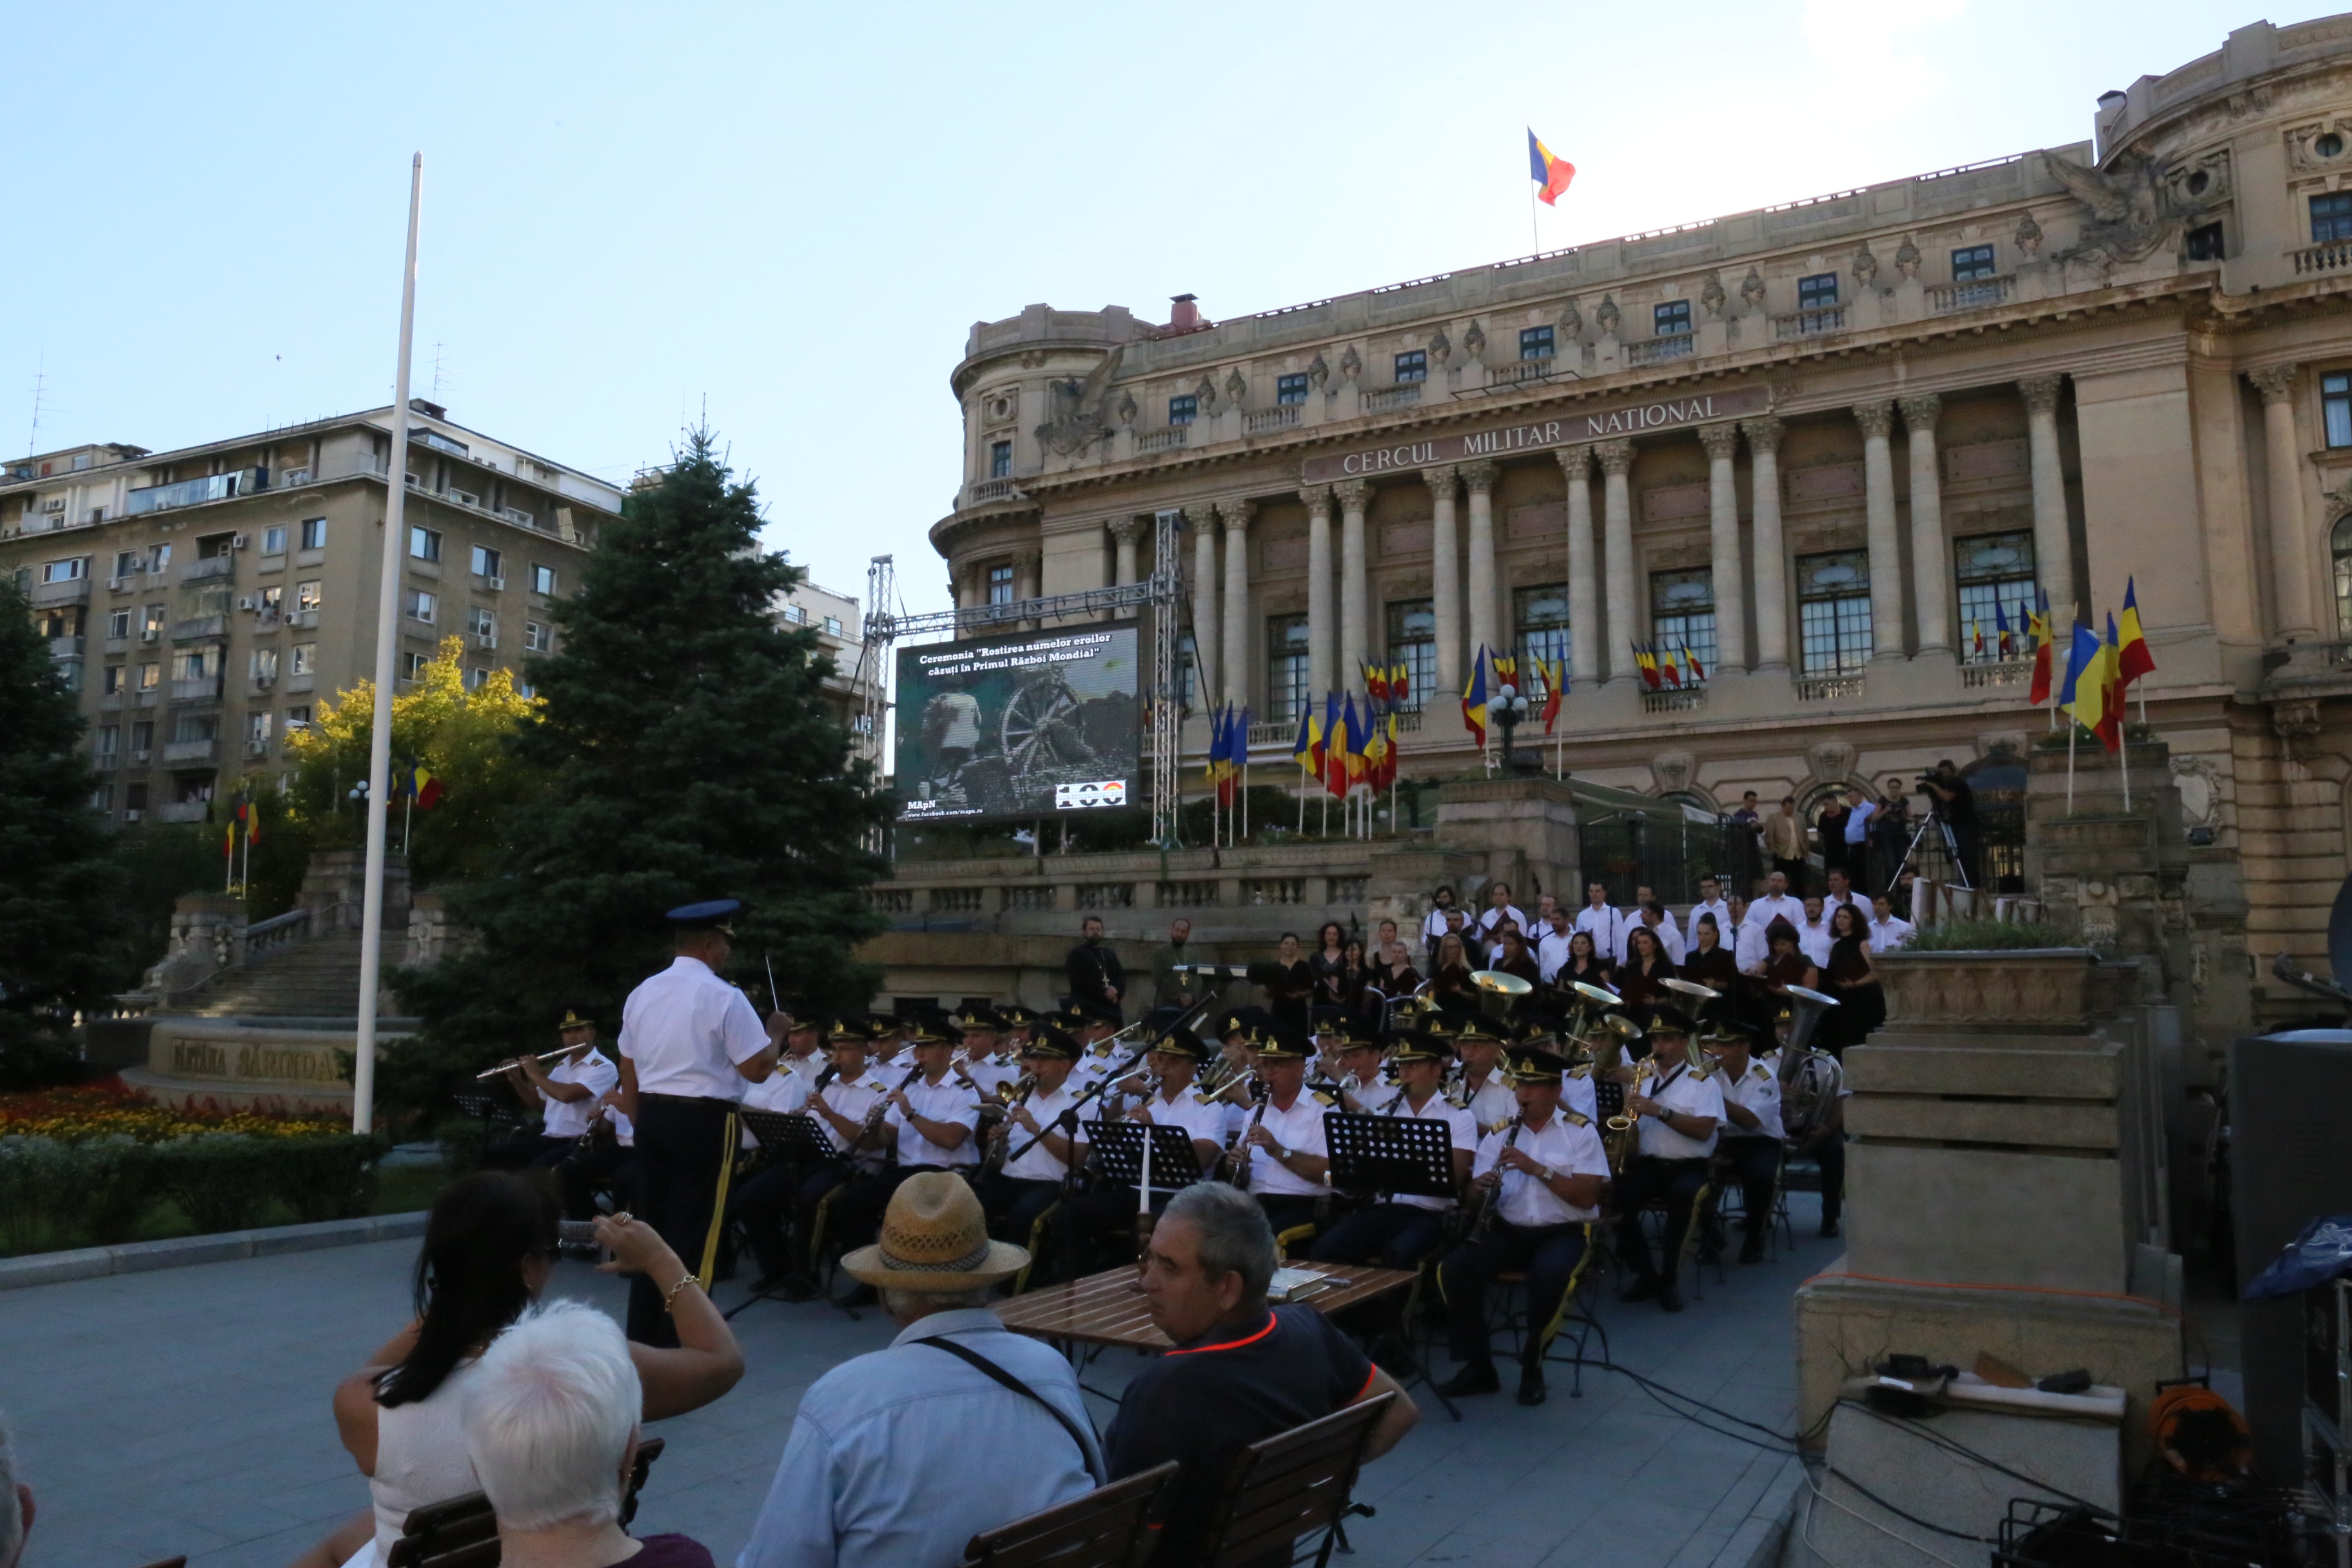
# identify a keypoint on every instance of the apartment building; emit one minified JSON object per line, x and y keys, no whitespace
{"x":201,"y":602}
{"x":840,"y":631}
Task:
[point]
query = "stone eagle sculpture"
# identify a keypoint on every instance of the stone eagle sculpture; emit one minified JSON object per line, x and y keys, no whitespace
{"x":1080,"y":409}
{"x":2132,"y":213}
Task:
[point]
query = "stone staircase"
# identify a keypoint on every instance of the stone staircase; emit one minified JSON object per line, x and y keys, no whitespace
{"x":316,"y":979}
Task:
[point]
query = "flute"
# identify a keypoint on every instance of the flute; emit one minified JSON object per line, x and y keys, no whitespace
{"x":507,"y":1066}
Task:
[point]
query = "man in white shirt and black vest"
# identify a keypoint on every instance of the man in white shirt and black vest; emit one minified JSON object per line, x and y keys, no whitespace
{"x":1681,"y":1110}
{"x":1541,"y":1176}
{"x":690,"y":1043}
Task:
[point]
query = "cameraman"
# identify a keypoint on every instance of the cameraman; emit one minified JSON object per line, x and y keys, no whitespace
{"x":1951,"y":797}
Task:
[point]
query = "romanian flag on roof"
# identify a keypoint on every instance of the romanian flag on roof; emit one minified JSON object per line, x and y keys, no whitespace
{"x":2132,"y":657}
{"x":1473,"y":700}
{"x":1551,"y":174}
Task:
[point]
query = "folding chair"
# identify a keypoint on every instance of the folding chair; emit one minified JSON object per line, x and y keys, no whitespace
{"x":1296,"y":1233}
{"x":1699,"y":1205}
{"x":1037,"y":1231}
{"x":463,"y":1532}
{"x":1292,"y":1484}
{"x":1115,"y":1526}
{"x":1734,"y":1206}
{"x":1575,"y":1305}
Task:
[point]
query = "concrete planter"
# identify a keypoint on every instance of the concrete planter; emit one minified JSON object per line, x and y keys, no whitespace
{"x":2049,"y":990}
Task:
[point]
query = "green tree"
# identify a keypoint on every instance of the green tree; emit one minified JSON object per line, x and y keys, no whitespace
{"x":63,"y":937}
{"x":689,"y":754}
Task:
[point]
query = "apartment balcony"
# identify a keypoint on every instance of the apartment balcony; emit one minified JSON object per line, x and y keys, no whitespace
{"x":210,"y":568}
{"x":178,"y":754}
{"x":201,"y":628}
{"x":302,"y":620}
{"x":109,"y":700}
{"x":1259,"y":420}
{"x":1662,"y":350}
{"x":1943,"y":299}
{"x":183,"y":811}
{"x":203,"y":689}
{"x":1388,"y":399}
{"x":66,"y":647}
{"x":2334,"y":256}
{"x":1162,"y":440}
{"x":196,"y":492}
{"x":50,"y":595}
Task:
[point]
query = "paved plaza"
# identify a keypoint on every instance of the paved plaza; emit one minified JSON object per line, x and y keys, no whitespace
{"x":186,"y":1410}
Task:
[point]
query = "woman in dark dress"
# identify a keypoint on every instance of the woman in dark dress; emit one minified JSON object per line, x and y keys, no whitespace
{"x":1511,"y":956}
{"x":1640,"y":978}
{"x":1451,"y":980}
{"x":1784,"y":966}
{"x":1585,"y":964}
{"x":1345,"y":986}
{"x":1326,"y":961}
{"x":1853,"y":980}
{"x":1394,"y":974}
{"x":1711,"y":963}
{"x":1289,"y":992}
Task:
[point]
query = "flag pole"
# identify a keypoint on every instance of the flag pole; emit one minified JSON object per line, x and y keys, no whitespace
{"x":2122,"y":756}
{"x":2071,"y":729}
{"x":387,"y":629}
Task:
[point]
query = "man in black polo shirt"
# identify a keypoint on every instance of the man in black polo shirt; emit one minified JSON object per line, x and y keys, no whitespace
{"x":1241,"y":1371}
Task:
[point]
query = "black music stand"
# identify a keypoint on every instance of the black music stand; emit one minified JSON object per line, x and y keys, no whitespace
{"x":1390,"y":1154}
{"x":792,"y":1139}
{"x":1118,"y":1153}
{"x":492,"y":1111}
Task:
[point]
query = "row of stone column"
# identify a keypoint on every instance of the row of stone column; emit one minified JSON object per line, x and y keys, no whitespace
{"x":1469,"y":613}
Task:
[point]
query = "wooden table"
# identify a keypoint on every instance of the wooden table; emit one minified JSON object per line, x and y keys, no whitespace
{"x":1108,"y":1309}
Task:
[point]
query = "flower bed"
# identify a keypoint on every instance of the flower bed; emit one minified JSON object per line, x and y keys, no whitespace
{"x":99,"y":1163}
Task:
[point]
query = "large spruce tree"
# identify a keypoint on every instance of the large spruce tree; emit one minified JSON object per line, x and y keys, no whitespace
{"x":62,"y":931}
{"x":690,"y":755}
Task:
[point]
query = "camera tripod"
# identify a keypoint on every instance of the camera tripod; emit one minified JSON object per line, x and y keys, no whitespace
{"x":1935,"y":819}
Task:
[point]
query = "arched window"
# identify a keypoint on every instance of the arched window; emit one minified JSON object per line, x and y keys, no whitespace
{"x":2339,"y":549}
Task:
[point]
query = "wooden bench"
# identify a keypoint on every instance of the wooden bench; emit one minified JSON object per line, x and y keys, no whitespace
{"x":463,"y":1532}
{"x":1115,"y":1526}
{"x":1293,"y":1484}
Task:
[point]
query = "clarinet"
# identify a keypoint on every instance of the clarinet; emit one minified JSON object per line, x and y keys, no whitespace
{"x":1242,"y":1145}
{"x":1495,"y":1199}
{"x":882,"y":1106}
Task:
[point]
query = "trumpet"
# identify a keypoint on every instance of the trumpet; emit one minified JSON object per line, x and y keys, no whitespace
{"x":507,"y":1066}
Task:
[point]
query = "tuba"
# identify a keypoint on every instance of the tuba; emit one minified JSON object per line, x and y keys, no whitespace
{"x":1807,"y":1005}
{"x":1498,"y":992}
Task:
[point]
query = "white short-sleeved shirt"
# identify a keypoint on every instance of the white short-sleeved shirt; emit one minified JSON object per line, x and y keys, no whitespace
{"x":1607,"y":927}
{"x":686,"y":1030}
{"x":1688,"y":1092}
{"x":852,"y":1099}
{"x":946,"y":1101}
{"x":1767,"y":908}
{"x":1757,"y":1090}
{"x":1298,"y":1129}
{"x":805,"y":1067}
{"x":1813,"y":940}
{"x":569,"y":1117}
{"x":1037,"y":1163}
{"x":1492,"y":1103}
{"x":1568,"y":1148}
{"x":1576,"y":1094}
{"x":1461,"y":1132}
{"x":1886,"y":935}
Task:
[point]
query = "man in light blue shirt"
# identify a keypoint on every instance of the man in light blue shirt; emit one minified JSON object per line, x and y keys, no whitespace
{"x":878,"y":1470}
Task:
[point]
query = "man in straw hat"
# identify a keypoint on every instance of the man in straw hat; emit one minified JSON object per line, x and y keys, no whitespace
{"x":877,"y":1472}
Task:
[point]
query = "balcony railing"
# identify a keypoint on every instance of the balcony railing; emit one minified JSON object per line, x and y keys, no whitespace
{"x":197,"y":628}
{"x":49,"y":595}
{"x":987,"y":490}
{"x":203,"y":689}
{"x":206,"y":568}
{"x":1658,"y":350}
{"x":196,"y":493}
{"x":65,"y":647}
{"x":1280,"y":417}
{"x":184,"y":811}
{"x":178,"y":752}
{"x":1522,"y":371}
{"x":2013,"y":673}
{"x":1808,"y":323}
{"x":1827,"y":688}
{"x":1974,"y":294}
{"x":1161,"y":440}
{"x":2331,"y":257}
{"x":1389,"y":398}
{"x":1687,"y":701}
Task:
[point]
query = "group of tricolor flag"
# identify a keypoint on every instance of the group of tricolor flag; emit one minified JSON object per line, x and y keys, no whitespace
{"x":1495,"y":675}
{"x":1659,"y":669}
{"x":1345,"y":746}
{"x":2099,"y":673}
{"x":1228,"y":752}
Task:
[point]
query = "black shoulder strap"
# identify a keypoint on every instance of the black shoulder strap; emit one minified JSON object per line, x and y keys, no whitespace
{"x":982,"y":1363}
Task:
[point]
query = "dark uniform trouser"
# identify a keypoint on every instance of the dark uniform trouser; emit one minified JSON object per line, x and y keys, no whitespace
{"x":1648,"y":1180}
{"x":764,"y":1204}
{"x":602,"y":1162}
{"x":524,"y":1151}
{"x":686,"y":1150}
{"x":1386,"y":1235}
{"x":1548,"y":1254}
{"x":1753,"y":1163}
{"x":1083,"y":1231}
{"x":1287,"y":1211}
{"x":1829,"y":1152}
{"x":1013,"y":1204}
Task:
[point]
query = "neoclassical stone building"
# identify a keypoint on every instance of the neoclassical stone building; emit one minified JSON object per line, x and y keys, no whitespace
{"x":1821,"y":445}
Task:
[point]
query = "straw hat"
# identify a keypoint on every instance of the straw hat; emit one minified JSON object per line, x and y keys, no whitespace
{"x":935,"y":1237}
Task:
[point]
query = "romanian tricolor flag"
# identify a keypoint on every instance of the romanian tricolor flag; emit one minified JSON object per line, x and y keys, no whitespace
{"x":2037,"y":627}
{"x":1399,"y":686}
{"x":2085,"y":695}
{"x":1551,"y":174}
{"x":1216,"y":768}
{"x":1360,"y":735}
{"x":1306,"y":751}
{"x":1473,"y":700}
{"x":424,"y":788}
{"x":1376,"y":688}
{"x":1698,"y":670}
{"x":1336,"y":741}
{"x":2006,"y":648}
{"x":1554,"y":689}
{"x":2110,"y":727}
{"x":2132,"y":657}
{"x":1389,"y":757}
{"x":1669,"y":669}
{"x":1505,"y":668}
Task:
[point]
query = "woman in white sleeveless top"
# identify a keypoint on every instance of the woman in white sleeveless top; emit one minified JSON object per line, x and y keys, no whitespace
{"x":489,"y":1248}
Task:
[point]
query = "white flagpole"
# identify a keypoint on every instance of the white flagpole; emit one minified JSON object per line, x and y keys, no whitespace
{"x":387,"y":629}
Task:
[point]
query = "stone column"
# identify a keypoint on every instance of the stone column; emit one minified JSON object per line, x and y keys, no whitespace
{"x":2290,"y":570}
{"x":1617,"y":538}
{"x":1125,"y":532}
{"x":1479,"y":478}
{"x":1354,"y":496}
{"x":1446,"y":578}
{"x":1236,"y":638}
{"x":1931,"y":576}
{"x":1318,"y":588}
{"x":1771,"y":561}
{"x":1877,"y":421}
{"x":1206,"y":625}
{"x":2053,"y":549}
{"x":1721,"y":442}
{"x":1583,"y":604}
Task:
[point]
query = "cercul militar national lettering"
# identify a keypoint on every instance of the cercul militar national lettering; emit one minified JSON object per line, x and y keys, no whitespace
{"x":1600,"y":425}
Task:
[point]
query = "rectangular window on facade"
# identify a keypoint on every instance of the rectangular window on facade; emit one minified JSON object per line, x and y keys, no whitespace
{"x":142,"y":739}
{"x":2336,"y":408}
{"x":273,"y":540}
{"x":1670,"y":318}
{"x":151,"y":676}
{"x":1682,"y":614}
{"x":1290,"y":390}
{"x":489,"y":563}
{"x":190,"y":727}
{"x":475,"y":676}
{"x":1971,"y":263}
{"x":112,"y":682}
{"x":159,"y":559}
{"x":134,"y":801}
{"x":1286,"y":669}
{"x":68,"y":571}
{"x":126,"y":563}
{"x":118,"y":622}
{"x":1833,"y":613}
{"x":1540,"y":617}
{"x":482,"y":626}
{"x":151,"y":623}
{"x":832,"y":625}
{"x":1183,"y":409}
{"x":109,"y":737}
{"x":298,"y":717}
{"x":265,"y":664}
{"x":2331,"y":217}
{"x":1535,"y":343}
{"x":534,"y":637}
{"x":796,"y":614}
{"x":1412,"y":643}
{"x":2205,"y":243}
{"x":273,"y":600}
{"x":306,"y":657}
{"x":424,"y":543}
{"x":1000,"y":584}
{"x":257,"y":727}
{"x":1817,"y":292}
{"x":1188,"y":670}
{"x":196,"y":664}
{"x":418,"y":606}
{"x":1000,"y":459}
{"x":1412,"y":365}
{"x":412,"y":665}
{"x":542,"y":579}
{"x":1995,"y":572}
{"x":309,"y":596}
{"x":314,"y":533}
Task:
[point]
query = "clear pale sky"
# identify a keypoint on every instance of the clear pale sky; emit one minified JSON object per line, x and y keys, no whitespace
{"x":796,"y":212}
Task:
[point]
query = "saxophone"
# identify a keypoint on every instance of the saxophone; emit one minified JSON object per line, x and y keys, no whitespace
{"x":1620,"y":1136}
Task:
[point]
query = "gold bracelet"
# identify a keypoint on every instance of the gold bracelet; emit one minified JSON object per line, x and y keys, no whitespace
{"x":669,"y":1297}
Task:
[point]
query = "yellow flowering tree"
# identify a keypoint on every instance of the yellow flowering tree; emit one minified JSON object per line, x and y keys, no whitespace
{"x":460,"y":736}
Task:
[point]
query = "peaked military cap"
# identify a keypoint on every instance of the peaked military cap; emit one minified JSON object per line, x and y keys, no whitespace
{"x":1050,"y":1042}
{"x":711,"y":914}
{"x":1528,"y":1065}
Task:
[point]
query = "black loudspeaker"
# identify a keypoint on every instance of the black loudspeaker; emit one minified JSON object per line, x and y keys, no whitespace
{"x":2290,"y":1163}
